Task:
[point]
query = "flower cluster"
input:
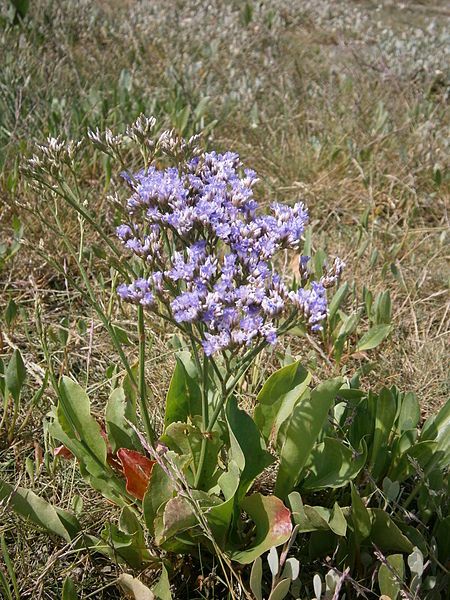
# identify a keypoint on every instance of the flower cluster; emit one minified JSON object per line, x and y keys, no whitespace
{"x":209,"y":255}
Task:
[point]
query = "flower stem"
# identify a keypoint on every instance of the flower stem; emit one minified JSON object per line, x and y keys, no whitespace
{"x":205,"y":421}
{"x":142,"y":385}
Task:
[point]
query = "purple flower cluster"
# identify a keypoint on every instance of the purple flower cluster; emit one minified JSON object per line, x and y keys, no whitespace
{"x":208,"y":254}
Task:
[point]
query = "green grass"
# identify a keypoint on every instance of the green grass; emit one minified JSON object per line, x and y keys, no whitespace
{"x":348,"y":112}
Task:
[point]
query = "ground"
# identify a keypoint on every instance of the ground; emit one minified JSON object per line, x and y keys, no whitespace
{"x":341,"y":104}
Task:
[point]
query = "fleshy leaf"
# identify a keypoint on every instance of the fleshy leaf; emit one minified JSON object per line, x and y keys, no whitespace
{"x":409,"y":415}
{"x":281,"y":390}
{"x":317,"y":518}
{"x":390,"y":585}
{"x":184,"y":395}
{"x":15,"y":375}
{"x":186,"y":439}
{"x":178,"y":516}
{"x":27,"y":504}
{"x":301,"y":432}
{"x":118,"y":413}
{"x":137,"y":469}
{"x":273,"y":525}
{"x":161,"y":589}
{"x":75,"y":419}
{"x":69,"y":591}
{"x":386,"y":535}
{"x":161,"y":490}
{"x":281,"y":590}
{"x":333,"y":465}
{"x":248,"y":449}
{"x":373,"y":337}
{"x":361,"y":517}
{"x":385,"y":410}
{"x":133,"y":588}
{"x":437,"y":428}
{"x":256,"y":578}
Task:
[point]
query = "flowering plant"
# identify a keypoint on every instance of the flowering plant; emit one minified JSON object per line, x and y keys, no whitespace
{"x":204,"y":256}
{"x":208,"y":260}
{"x":209,"y":255}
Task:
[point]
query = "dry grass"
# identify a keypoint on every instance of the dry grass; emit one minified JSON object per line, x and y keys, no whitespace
{"x":321,"y":107}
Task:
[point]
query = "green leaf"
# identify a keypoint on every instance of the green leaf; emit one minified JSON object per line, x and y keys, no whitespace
{"x":69,"y":591}
{"x":30,"y":506}
{"x":383,"y":308}
{"x":385,"y":411}
{"x":248,"y":449}
{"x":361,"y":518}
{"x":437,"y":428}
{"x":2,"y":378}
{"x":390,"y":585}
{"x":273,"y":526}
{"x":4,"y":586}
{"x":312,"y":518}
{"x":182,"y":119}
{"x":301,"y":431}
{"x":178,"y":516}
{"x":184,"y":395}
{"x":338,"y":522}
{"x":386,"y":535}
{"x":130,"y":524}
{"x":104,"y":480}
{"x":15,"y":375}
{"x":76,"y":421}
{"x":186,"y":439}
{"x":421,"y":452}
{"x":281,"y":590}
{"x":75,"y":427}
{"x":21,"y":6}
{"x":161,"y":489}
{"x":131,"y":390}
{"x":220,"y":517}
{"x":333,"y":465}
{"x":134,"y":588}
{"x":373,"y":337}
{"x":256,"y":578}
{"x":162,"y":588}
{"x":118,"y":414}
{"x":443,"y":538}
{"x":409,"y":414}
{"x":317,"y":518}
{"x":10,"y":312}
{"x":128,"y":540}
{"x":337,"y":299}
{"x":281,"y":391}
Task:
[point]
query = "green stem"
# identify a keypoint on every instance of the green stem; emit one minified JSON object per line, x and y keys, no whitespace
{"x":142,"y":385}
{"x":227,"y":390}
{"x":205,"y":422}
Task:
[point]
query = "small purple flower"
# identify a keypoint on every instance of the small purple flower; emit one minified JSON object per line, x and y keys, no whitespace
{"x":187,"y":307}
{"x":124,"y":232}
{"x":210,"y":256}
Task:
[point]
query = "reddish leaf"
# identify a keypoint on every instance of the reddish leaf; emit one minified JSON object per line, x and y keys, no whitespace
{"x":137,"y":470}
{"x":38,"y":455}
{"x":63,"y":452}
{"x":273,"y":525}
